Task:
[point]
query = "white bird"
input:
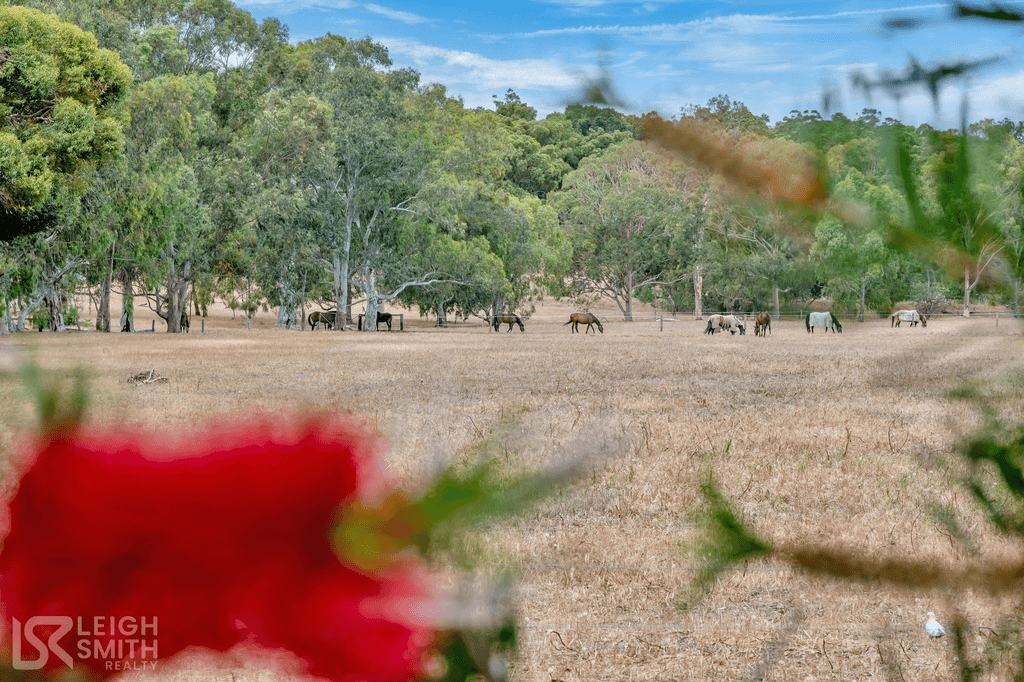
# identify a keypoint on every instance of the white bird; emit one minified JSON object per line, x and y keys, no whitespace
{"x":932,"y":627}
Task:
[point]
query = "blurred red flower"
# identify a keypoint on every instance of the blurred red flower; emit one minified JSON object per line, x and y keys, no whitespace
{"x":222,"y":535}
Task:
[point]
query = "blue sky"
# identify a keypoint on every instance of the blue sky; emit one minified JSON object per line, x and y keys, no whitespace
{"x":666,"y":54}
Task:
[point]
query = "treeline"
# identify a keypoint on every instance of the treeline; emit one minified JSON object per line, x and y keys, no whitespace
{"x":184,"y":151}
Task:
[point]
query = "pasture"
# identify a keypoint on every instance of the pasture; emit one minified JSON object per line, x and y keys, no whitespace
{"x":839,"y":439}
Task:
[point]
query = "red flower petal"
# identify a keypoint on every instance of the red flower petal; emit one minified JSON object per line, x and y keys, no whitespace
{"x":222,"y":536}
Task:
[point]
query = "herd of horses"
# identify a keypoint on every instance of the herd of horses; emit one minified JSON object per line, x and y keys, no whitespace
{"x":826,"y":320}
{"x":328,"y":318}
{"x":716,"y":323}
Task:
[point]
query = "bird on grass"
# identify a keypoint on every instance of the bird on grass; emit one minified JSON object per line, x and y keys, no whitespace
{"x":932,"y":627}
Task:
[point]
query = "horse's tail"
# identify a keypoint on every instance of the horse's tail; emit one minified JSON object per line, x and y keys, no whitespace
{"x":569,"y":322}
{"x":309,"y":320}
{"x":808,"y":321}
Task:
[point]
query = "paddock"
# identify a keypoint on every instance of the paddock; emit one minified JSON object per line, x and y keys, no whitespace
{"x":601,"y":570}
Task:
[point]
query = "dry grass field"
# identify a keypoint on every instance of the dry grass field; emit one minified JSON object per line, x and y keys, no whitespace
{"x":844,"y":439}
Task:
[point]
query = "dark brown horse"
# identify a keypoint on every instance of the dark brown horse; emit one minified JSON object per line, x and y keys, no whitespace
{"x":589,"y":319}
{"x":382,"y":318}
{"x":324,"y":317}
{"x":509,"y":319}
{"x":763,"y":324}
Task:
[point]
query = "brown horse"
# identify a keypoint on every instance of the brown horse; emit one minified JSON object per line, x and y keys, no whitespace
{"x":325,"y":317}
{"x":509,"y":319}
{"x":589,"y":319}
{"x":763,"y":324}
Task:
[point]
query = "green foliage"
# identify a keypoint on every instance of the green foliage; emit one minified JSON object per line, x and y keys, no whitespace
{"x":622,"y":212}
{"x":724,"y":541}
{"x":58,"y":114}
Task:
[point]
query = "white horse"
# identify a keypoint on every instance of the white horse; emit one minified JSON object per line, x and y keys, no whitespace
{"x":729,"y":323}
{"x":826,"y":320}
{"x":911,"y":316}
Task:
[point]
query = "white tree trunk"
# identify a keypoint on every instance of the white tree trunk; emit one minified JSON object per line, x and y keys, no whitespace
{"x":967,"y":291}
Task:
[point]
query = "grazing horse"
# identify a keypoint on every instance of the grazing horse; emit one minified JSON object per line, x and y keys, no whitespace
{"x":589,"y":319}
{"x":911,"y":316}
{"x":762,"y":324}
{"x":324,"y":317}
{"x":509,"y":319}
{"x":826,"y":320}
{"x":729,"y":323}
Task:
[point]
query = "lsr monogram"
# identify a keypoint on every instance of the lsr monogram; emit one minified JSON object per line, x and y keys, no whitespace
{"x":121,"y":643}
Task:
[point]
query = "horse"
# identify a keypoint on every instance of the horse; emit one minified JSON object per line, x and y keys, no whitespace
{"x":325,"y":317}
{"x":589,"y":319}
{"x":729,"y":323}
{"x":826,"y":320}
{"x":911,"y":316}
{"x":762,"y":324}
{"x":185,"y":322}
{"x":509,"y":319}
{"x":382,"y":318}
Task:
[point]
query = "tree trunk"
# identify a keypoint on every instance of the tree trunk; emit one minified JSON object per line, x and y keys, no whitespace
{"x":287,"y":303}
{"x":442,"y":316}
{"x":863,"y":299}
{"x":372,"y":302}
{"x":177,"y":292}
{"x":698,"y":268}
{"x":348,"y":305}
{"x":627,"y":313}
{"x":341,"y":262}
{"x":55,"y":306}
{"x":340,"y":287}
{"x":775,"y":300}
{"x":128,"y":306}
{"x":967,"y":291}
{"x":698,"y":292}
{"x":103,"y":309}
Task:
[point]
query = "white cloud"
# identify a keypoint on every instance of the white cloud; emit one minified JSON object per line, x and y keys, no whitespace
{"x":742,"y":23}
{"x":469,"y":67}
{"x":292,"y":6}
{"x":398,"y":15}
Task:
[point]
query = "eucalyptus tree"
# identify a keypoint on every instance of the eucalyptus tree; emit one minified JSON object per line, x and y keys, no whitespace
{"x":948,"y":206}
{"x":59,"y":96}
{"x":621,"y":210}
{"x":272,"y":154}
{"x":467,"y":195}
{"x":167,"y":228}
{"x":370,"y":171}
